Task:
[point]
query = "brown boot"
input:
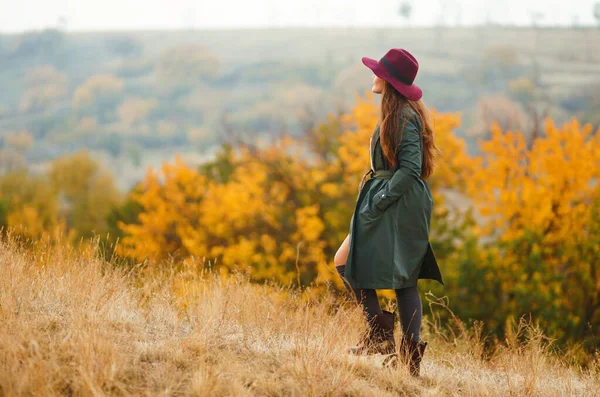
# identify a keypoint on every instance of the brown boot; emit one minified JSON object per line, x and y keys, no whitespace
{"x":412,"y":353}
{"x":379,"y":338}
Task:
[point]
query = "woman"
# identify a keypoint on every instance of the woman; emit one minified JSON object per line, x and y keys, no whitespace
{"x":388,"y":244}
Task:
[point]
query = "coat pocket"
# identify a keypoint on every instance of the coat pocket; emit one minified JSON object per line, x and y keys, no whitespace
{"x":374,"y":202}
{"x":368,"y":212}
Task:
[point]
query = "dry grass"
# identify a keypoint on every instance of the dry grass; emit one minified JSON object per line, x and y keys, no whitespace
{"x":73,"y":325}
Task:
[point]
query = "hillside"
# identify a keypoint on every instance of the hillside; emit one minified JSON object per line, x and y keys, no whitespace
{"x":136,"y":98}
{"x":71,"y":324}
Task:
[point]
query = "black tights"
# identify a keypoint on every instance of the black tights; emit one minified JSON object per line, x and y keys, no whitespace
{"x":408,"y":301}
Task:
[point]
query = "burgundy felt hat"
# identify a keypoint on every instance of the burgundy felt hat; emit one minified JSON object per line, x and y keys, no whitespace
{"x":399,"y":68}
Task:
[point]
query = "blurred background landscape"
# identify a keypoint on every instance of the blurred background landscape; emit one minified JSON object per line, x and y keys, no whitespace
{"x":133,"y":98}
{"x":233,"y":136}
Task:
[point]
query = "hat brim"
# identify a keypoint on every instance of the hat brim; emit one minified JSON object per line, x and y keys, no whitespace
{"x":410,"y":91}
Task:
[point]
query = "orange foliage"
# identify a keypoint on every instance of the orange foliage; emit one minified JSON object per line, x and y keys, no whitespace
{"x":542,"y":210}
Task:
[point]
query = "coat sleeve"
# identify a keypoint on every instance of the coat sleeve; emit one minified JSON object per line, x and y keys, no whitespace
{"x":408,"y":159}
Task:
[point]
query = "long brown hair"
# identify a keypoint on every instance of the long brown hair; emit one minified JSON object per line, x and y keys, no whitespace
{"x":392,"y":106}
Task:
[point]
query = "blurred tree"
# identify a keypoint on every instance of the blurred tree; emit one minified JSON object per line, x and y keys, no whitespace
{"x":303,"y":103}
{"x":439,"y":28}
{"x":222,"y":167}
{"x":350,"y":82}
{"x":13,"y":150}
{"x":86,"y":125}
{"x":500,"y":63}
{"x":86,"y":193}
{"x":4,"y":209}
{"x":179,"y":69}
{"x":166,"y":128}
{"x":10,"y":160}
{"x":497,"y":108}
{"x":200,"y":137}
{"x":62,"y":23}
{"x":124,"y":46}
{"x":28,"y":206}
{"x":113,"y":143}
{"x":21,"y":141}
{"x":134,"y":152}
{"x":263,"y":117}
{"x":98,"y":96}
{"x":536,"y":17}
{"x":134,"y":67}
{"x":323,"y":139}
{"x":126,"y":211}
{"x":590,"y":42}
{"x":38,"y":47}
{"x":43,"y":86}
{"x":135,"y":109}
{"x":586,"y":102}
{"x":406,"y":10}
{"x":535,"y":97}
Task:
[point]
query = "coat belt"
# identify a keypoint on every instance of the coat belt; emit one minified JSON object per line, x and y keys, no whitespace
{"x":375,"y":174}
{"x":382,"y":174}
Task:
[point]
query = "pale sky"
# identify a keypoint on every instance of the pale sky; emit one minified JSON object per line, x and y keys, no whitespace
{"x":86,"y":15}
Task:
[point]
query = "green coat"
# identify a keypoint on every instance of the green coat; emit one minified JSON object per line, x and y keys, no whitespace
{"x":389,"y":231}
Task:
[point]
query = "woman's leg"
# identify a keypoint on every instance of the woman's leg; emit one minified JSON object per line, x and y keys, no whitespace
{"x":340,"y":258}
{"x":379,"y":337}
{"x":366,"y":297}
{"x":370,"y":303}
{"x":410,"y":310}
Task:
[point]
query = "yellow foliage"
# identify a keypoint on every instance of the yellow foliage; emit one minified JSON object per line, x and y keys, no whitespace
{"x":86,"y":193}
{"x":278,"y":215}
{"x":32,"y":208}
{"x":543,"y":189}
{"x":542,"y":207}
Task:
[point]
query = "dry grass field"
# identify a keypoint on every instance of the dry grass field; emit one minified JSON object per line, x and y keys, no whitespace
{"x":71,"y":324}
